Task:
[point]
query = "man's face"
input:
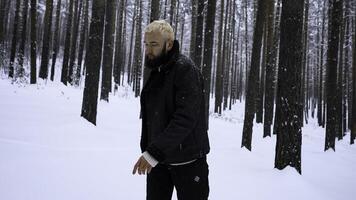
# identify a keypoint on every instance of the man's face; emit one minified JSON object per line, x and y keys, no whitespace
{"x":154,"y":45}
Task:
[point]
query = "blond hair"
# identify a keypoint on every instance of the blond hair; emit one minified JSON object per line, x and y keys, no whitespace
{"x":162,"y":27}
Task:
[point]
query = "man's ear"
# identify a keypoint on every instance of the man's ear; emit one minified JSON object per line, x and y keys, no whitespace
{"x":169,"y":45}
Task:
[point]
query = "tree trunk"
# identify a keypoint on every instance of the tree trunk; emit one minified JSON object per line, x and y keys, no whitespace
{"x":208,"y":52}
{"x":46,"y":40}
{"x":321,"y":100}
{"x":154,"y":10}
{"x":76,"y":19}
{"x":289,"y":133}
{"x":2,"y":22}
{"x":118,"y":64}
{"x":219,"y":67}
{"x":353,"y":119}
{"x":94,"y":50}
{"x":108,"y":50}
{"x":130,"y":74}
{"x":339,"y":106}
{"x":171,"y":13}
{"x":137,"y":64}
{"x":14,"y":39}
{"x":23,"y":39}
{"x":270,"y":70}
{"x":332,"y":60}
{"x":252,"y":77}
{"x":82,"y":42}
{"x":33,"y":41}
{"x":199,"y":35}
{"x":193,"y":28}
{"x":56,"y":38}
{"x":64,"y":75}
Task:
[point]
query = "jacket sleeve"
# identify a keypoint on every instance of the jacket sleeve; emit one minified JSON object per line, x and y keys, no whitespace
{"x":188,"y":99}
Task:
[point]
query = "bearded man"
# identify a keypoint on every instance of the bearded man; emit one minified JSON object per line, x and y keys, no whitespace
{"x":174,"y":139}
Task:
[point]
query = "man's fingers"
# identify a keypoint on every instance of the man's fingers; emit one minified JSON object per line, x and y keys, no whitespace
{"x":136,"y":166}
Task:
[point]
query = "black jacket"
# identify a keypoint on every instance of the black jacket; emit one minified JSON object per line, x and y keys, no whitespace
{"x":174,"y":127}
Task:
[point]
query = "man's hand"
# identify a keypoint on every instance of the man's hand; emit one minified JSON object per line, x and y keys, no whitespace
{"x":142,"y":166}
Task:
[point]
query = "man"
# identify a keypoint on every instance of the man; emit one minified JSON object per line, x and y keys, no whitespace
{"x":174,"y":138}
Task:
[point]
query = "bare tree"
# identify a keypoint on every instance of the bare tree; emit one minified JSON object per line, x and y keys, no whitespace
{"x":46,"y":40}
{"x":252,"y":77}
{"x":94,"y":49}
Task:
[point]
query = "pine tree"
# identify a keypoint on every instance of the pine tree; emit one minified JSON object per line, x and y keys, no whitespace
{"x":353,"y":119}
{"x":76,"y":19}
{"x":14,"y":39}
{"x":46,"y":40}
{"x":137,"y":64}
{"x":108,"y":50}
{"x":208,"y":51}
{"x":250,"y":106}
{"x":83,"y":41}
{"x":154,"y":10}
{"x":23,"y":39}
{"x":270,"y":70}
{"x":56,"y":38}
{"x":289,"y":133}
{"x":199,"y":35}
{"x":332,"y":60}
{"x":66,"y":53}
{"x":94,"y":51}
{"x":33,"y":41}
{"x":219,"y":65}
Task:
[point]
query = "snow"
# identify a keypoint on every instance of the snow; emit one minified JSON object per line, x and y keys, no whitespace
{"x":47,"y":151}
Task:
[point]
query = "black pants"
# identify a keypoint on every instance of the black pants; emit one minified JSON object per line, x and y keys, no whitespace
{"x":190,"y":180}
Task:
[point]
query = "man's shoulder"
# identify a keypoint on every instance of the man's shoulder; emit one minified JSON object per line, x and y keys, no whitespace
{"x":183,"y":62}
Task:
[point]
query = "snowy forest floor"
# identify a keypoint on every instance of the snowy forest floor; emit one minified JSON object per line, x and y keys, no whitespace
{"x":49,"y":152}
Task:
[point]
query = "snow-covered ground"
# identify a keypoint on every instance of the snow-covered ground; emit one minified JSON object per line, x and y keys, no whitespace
{"x":48,"y":152}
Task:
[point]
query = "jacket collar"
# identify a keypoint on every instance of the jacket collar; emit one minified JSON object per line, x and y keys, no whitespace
{"x":172,"y":57}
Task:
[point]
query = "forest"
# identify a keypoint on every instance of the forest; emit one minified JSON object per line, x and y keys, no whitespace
{"x":289,"y":61}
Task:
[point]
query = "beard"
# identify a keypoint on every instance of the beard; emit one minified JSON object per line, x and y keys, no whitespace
{"x":155,"y":62}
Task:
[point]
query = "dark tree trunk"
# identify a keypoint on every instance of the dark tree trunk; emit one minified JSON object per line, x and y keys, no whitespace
{"x":94,"y":50}
{"x":82,"y":42}
{"x":270,"y":70}
{"x":66,"y":53}
{"x":2,"y":22}
{"x":130,"y":73}
{"x":56,"y":38}
{"x":219,"y":67}
{"x":46,"y":40}
{"x":33,"y":41}
{"x":78,"y":5}
{"x":321,"y":100}
{"x":193,"y":28}
{"x":171,"y":13}
{"x":14,"y":39}
{"x":289,"y":133}
{"x":208,"y":51}
{"x":339,"y":106}
{"x":199,"y":35}
{"x":23,"y":39}
{"x":305,"y":64}
{"x":261,"y":82}
{"x":137,"y":64}
{"x":353,"y":119}
{"x":225,"y":55}
{"x":332,"y":61}
{"x":124,"y":43}
{"x":118,"y":64}
{"x":250,"y":104}
{"x":108,"y":50}
{"x":154,"y":10}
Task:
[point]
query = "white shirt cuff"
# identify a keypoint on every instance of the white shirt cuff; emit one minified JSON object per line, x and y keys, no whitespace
{"x":151,"y":160}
